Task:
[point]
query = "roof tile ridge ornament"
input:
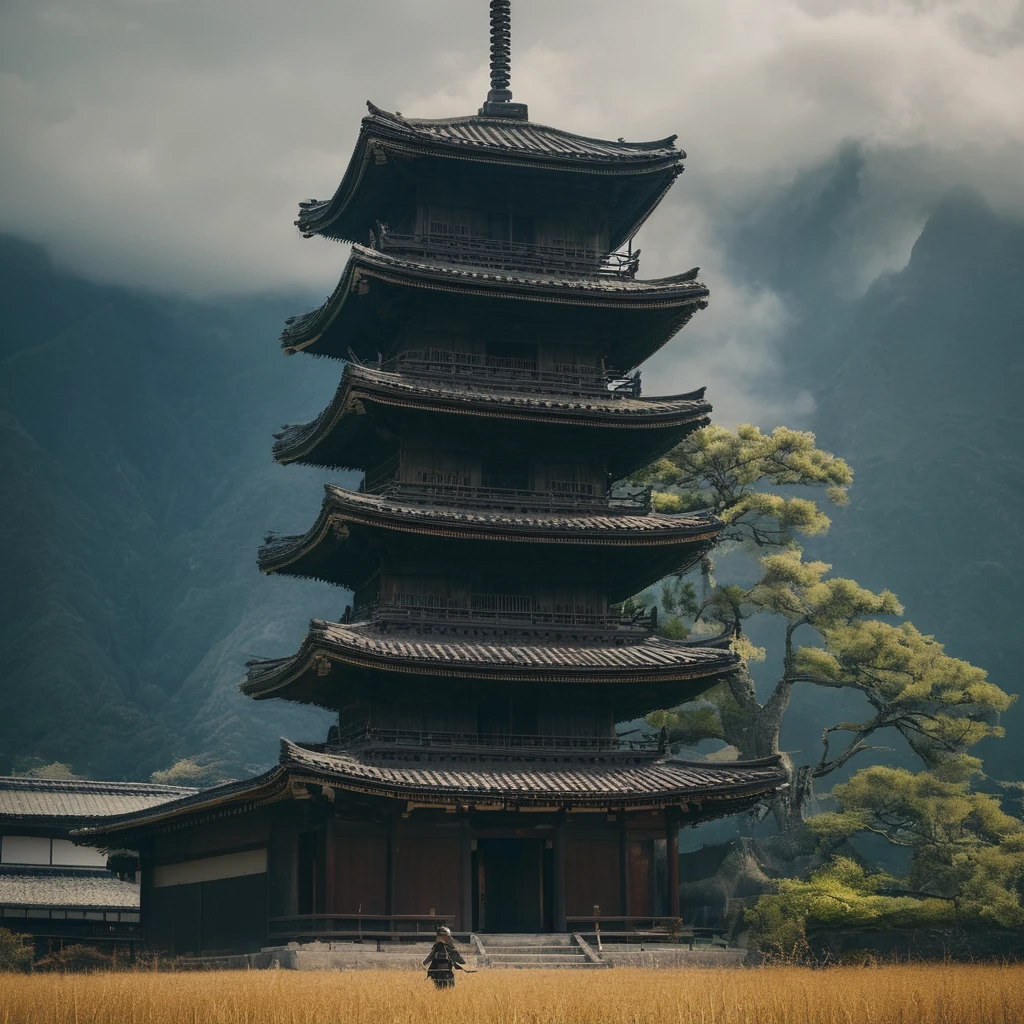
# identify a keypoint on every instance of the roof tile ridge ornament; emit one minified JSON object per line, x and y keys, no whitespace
{"x":386,"y":115}
{"x":499,"y":99}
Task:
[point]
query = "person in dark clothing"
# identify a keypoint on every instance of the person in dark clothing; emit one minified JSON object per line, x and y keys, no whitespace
{"x":443,"y":960}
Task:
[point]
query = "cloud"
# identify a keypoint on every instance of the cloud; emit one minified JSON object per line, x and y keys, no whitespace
{"x":165,"y":145}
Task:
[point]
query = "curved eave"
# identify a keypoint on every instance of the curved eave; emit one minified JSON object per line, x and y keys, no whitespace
{"x":667,"y":782}
{"x":669,"y":302}
{"x":385,"y":138}
{"x":205,"y":805}
{"x":301,"y":678}
{"x":329,"y":440}
{"x":343,"y":511}
{"x":704,"y":789}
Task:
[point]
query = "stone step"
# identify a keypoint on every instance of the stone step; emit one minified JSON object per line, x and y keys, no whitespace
{"x":524,"y":939}
{"x":541,"y":965}
{"x":560,"y":953}
{"x":514,"y":958}
{"x":517,"y":950}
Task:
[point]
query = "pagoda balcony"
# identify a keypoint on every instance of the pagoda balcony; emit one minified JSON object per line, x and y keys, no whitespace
{"x":498,"y":610}
{"x":364,"y":736}
{"x":566,"y":260}
{"x":563,"y":496}
{"x":508,"y":374}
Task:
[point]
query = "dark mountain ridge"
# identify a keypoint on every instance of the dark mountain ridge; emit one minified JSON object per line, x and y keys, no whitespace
{"x":138,"y":481}
{"x":138,"y":484}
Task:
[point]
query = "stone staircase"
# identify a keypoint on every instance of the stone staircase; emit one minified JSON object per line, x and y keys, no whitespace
{"x":540,"y":952}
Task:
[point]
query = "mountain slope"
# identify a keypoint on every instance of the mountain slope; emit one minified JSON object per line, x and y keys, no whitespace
{"x":921,"y":389}
{"x":134,"y":448}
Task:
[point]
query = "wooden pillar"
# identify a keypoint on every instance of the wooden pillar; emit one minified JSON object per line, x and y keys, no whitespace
{"x":330,"y":868}
{"x":466,"y":857}
{"x":558,"y":882}
{"x":283,"y":868}
{"x":623,"y":867}
{"x":672,"y":852}
{"x":389,"y":902}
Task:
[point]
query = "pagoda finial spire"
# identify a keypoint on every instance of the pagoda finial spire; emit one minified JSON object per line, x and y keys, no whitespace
{"x":501,"y":51}
{"x":499,"y":99}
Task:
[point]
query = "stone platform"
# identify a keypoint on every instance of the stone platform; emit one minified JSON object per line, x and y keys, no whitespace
{"x":481,"y":952}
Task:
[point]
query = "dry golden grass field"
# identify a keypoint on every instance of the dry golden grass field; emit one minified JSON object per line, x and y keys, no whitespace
{"x":950,"y":994}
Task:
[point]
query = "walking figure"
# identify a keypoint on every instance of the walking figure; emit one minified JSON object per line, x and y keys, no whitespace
{"x":443,"y":960}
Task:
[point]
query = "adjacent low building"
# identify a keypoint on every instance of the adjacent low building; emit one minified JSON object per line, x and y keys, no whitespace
{"x":54,"y":889}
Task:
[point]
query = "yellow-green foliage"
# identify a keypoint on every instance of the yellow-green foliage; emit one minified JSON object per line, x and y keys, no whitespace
{"x":690,"y":723}
{"x":941,"y":705}
{"x":15,"y":951}
{"x":966,"y":848}
{"x":189,"y":771}
{"x":904,"y":994}
{"x":798,"y":590}
{"x":839,"y":895}
{"x":54,"y":770}
{"x":729,"y":470}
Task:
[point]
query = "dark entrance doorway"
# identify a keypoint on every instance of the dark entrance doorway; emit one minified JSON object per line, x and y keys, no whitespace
{"x":510,"y":881}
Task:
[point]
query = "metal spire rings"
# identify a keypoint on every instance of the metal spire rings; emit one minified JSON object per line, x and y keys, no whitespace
{"x":501,"y":50}
{"x":499,"y":99}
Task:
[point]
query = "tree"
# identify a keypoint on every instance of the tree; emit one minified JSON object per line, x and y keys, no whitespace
{"x":942,"y":706}
{"x":966,"y":868}
{"x":728,"y":471}
{"x":190,"y":771}
{"x":965,"y":848}
{"x":38,"y":769}
{"x":16,"y":951}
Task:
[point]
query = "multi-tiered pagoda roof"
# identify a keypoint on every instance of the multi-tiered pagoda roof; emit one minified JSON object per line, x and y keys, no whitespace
{"x":373,"y":402}
{"x":491,"y":319}
{"x":341,"y":663}
{"x":628,"y":179}
{"x":586,"y":291}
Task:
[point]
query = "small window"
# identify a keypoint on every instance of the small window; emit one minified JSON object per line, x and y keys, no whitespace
{"x":24,"y":850}
{"x":66,"y":854}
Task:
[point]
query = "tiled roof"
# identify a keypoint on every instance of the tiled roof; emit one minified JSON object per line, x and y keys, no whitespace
{"x":483,"y":140}
{"x":361,"y":384}
{"x":560,"y":656}
{"x":56,"y":888}
{"x":525,"y":137}
{"x":681,"y":293}
{"x":22,"y":798}
{"x":711,"y":788}
{"x":342,"y":507}
{"x":664,"y":780}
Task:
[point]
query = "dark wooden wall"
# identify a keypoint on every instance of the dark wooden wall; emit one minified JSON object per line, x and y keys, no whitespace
{"x":428,"y":873}
{"x":360,"y":868}
{"x":640,"y":878}
{"x":225,"y":916}
{"x":593,"y":874}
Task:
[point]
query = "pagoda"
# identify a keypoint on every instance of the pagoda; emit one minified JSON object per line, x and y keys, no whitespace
{"x":488,"y":325}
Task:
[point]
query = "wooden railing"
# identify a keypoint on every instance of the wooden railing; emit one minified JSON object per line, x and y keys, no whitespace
{"x":396,"y":927}
{"x":562,"y":496}
{"x":569,"y":259}
{"x":620,"y":928}
{"x":363,"y":733}
{"x":381,"y":474}
{"x":509,"y":374}
{"x":498,"y":610}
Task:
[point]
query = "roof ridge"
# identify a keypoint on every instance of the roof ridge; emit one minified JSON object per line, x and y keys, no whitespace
{"x":412,"y":123}
{"x":85,"y":785}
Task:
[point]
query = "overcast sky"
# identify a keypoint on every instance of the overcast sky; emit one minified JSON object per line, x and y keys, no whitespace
{"x":165,"y":143}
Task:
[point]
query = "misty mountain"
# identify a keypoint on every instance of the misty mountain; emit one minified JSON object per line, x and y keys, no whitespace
{"x":138,"y":482}
{"x":921,"y":389}
{"x":918,"y":384}
{"x":137,"y":486}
